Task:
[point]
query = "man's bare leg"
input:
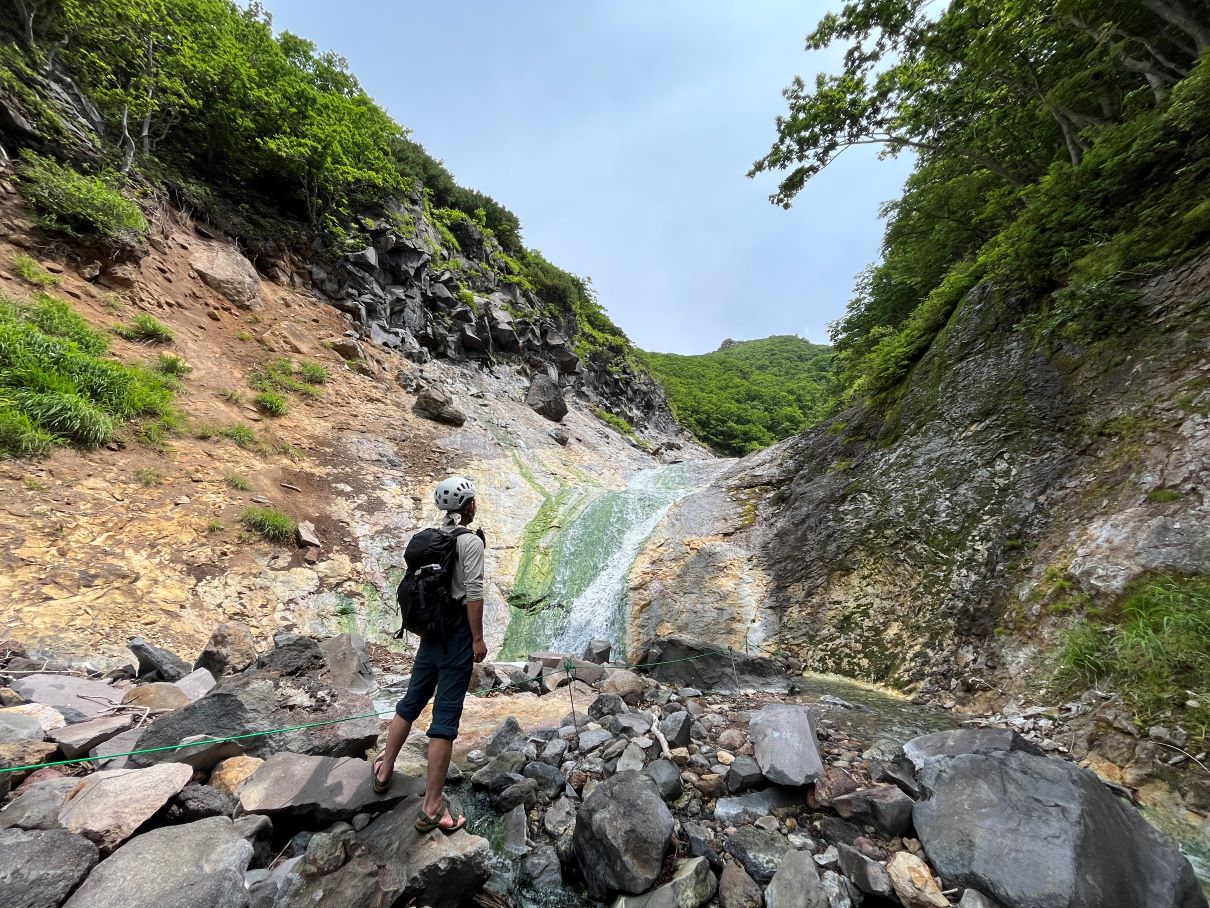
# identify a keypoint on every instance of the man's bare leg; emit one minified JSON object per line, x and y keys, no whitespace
{"x":397,"y":733}
{"x":440,"y":752}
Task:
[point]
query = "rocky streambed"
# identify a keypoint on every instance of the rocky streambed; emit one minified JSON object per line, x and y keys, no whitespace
{"x":689,"y":777}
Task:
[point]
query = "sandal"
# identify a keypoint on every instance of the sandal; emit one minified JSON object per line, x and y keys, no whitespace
{"x":381,"y":787}
{"x":425,"y":823}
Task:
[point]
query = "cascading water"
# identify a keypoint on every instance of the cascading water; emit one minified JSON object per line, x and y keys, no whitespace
{"x":591,"y":561}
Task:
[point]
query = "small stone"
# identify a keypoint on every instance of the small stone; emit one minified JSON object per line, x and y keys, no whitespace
{"x":738,"y":890}
{"x":913,"y":882}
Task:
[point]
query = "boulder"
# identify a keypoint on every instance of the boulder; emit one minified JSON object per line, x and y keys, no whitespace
{"x":744,"y":773}
{"x":883,"y":806}
{"x":157,"y":663}
{"x":77,"y":740}
{"x":434,"y":403}
{"x":348,"y":663}
{"x":667,"y":778}
{"x":520,"y":792}
{"x":393,"y":864}
{"x":231,"y":649}
{"x":748,"y":808}
{"x":759,"y":850}
{"x":47,"y":717}
{"x":37,"y":807}
{"x":738,"y":890}
{"x":632,"y":759}
{"x":796,"y":884}
{"x":596,"y":651}
{"x":258,"y":830}
{"x":1030,"y":830}
{"x":693,"y":884}
{"x":866,"y":874}
{"x":197,"y":684}
{"x":318,"y":790}
{"x":928,"y":748}
{"x":914,"y":883}
{"x":560,"y":818}
{"x":626,"y":685}
{"x":228,"y":274}
{"x":784,"y":743}
{"x":109,"y":806}
{"x":105,"y":752}
{"x":546,"y":398}
{"x":606,"y":705}
{"x":18,"y":726}
{"x":195,"y":865}
{"x":157,"y":698}
{"x":232,"y":772}
{"x":509,"y":736}
{"x":40,"y":868}
{"x":273,"y":695}
{"x":550,"y":780}
{"x":592,"y":738}
{"x":706,"y":666}
{"x":76,"y":698}
{"x":622,"y":832}
{"x":542,"y":869}
{"x":198,"y":802}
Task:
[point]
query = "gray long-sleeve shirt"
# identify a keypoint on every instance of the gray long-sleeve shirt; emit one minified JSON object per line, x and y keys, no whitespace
{"x":466,"y":581}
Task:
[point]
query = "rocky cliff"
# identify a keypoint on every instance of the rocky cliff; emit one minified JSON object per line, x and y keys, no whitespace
{"x":924,"y":543}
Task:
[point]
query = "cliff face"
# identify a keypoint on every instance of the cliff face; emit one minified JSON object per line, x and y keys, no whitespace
{"x":921,"y":544}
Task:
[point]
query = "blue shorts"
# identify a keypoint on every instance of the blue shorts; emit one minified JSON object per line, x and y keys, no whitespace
{"x":443,"y":666}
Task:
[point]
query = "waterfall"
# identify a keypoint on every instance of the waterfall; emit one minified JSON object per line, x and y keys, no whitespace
{"x":592,"y":557}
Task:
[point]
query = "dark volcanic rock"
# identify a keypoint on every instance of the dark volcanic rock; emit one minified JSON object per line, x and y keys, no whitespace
{"x":318,"y":790}
{"x":759,"y":850}
{"x":39,"y":869}
{"x":783,"y":738}
{"x":435,"y":404}
{"x":696,"y":663}
{"x":1030,"y":830}
{"x":231,"y":649}
{"x":623,"y":830}
{"x":545,"y":398}
{"x":157,"y":663}
{"x":883,"y":806}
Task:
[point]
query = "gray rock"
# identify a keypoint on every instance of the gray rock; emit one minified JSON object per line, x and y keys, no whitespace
{"x":199,"y":802}
{"x":197,"y":684}
{"x":841,"y":893}
{"x":554,"y":751}
{"x":622,"y":832}
{"x":231,"y":649}
{"x":867,"y":875}
{"x":542,"y":869}
{"x":434,"y":403}
{"x":327,"y":851}
{"x":76,"y":698}
{"x":883,"y":806}
{"x":560,"y":819}
{"x":667,"y":778}
{"x":396,"y":865}
{"x":522,"y":793}
{"x":759,"y":850}
{"x":272,"y":696}
{"x":196,"y":865}
{"x":676,"y":729}
{"x":750,"y":807}
{"x":40,"y":868}
{"x":629,"y":724}
{"x":77,"y":740}
{"x":592,"y":738}
{"x":742,"y":774}
{"x":157,"y":663}
{"x":258,"y":831}
{"x":14,"y":726}
{"x":550,"y":780}
{"x":348,"y":663}
{"x":509,"y":736}
{"x":119,"y":744}
{"x":228,"y":274}
{"x":972,"y":898}
{"x":783,"y":738}
{"x":507,"y":763}
{"x":1029,"y":830}
{"x":319,"y":790}
{"x":738,"y":890}
{"x":796,"y":884}
{"x":516,"y":840}
{"x":109,"y":806}
{"x":597,"y":651}
{"x":632,"y":759}
{"x":606,"y":705}
{"x":939,"y":744}
{"x":545,"y":398}
{"x":706,"y":666}
{"x":38,"y":806}
{"x":693,"y":884}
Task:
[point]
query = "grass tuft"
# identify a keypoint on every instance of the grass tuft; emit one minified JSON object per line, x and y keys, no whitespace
{"x":313,"y":373}
{"x":271,"y":403}
{"x":171,"y":364}
{"x":70,"y":202}
{"x":269,"y":524}
{"x":148,"y":477}
{"x":242,"y":434}
{"x":144,"y":328}
{"x":33,"y":272}
{"x":237,"y":482}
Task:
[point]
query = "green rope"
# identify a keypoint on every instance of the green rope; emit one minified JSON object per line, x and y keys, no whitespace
{"x":568,"y":669}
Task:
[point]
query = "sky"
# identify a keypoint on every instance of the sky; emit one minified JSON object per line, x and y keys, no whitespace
{"x":620,"y":132}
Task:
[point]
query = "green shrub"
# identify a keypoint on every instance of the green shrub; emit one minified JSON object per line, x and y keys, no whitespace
{"x":56,"y":387}
{"x":271,"y":403}
{"x":237,"y":482}
{"x":1154,"y":647}
{"x":313,"y":373}
{"x":74,"y":203}
{"x":32,"y":272}
{"x":269,"y":523}
{"x":1164,"y":496}
{"x":171,"y":364}
{"x":617,"y":423}
{"x":146,"y":329}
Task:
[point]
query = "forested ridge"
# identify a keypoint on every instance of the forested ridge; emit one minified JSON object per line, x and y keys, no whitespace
{"x":1063,"y":153}
{"x":747,"y":394}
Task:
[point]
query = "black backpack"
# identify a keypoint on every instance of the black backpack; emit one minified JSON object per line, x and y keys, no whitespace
{"x":425,"y":605}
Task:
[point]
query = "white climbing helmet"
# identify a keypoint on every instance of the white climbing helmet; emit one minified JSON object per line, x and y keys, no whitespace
{"x":453,"y":493}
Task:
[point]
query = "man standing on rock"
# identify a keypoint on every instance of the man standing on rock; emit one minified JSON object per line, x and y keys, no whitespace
{"x":443,"y":664}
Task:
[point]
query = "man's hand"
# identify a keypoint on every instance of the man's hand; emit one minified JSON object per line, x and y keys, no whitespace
{"x":480,"y":650}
